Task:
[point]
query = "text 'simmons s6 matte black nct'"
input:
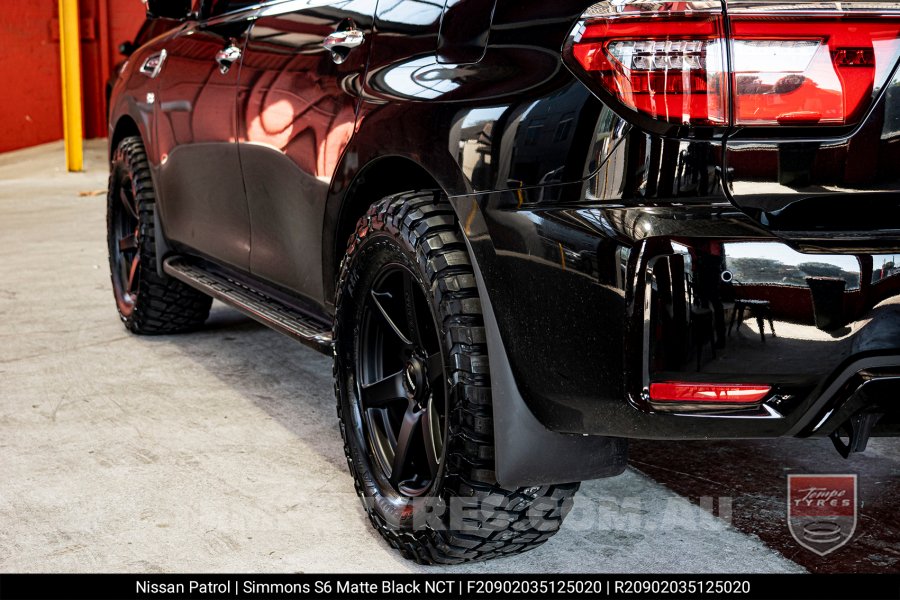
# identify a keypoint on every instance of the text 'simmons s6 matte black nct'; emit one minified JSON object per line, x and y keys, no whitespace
{"x":527,"y":231}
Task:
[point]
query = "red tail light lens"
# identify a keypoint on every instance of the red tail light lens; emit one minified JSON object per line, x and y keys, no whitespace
{"x":710,"y":393}
{"x":669,"y":69}
{"x":808,"y":71}
{"x":782,"y":70}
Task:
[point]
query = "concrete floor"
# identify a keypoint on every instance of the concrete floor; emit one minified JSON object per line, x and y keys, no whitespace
{"x":219,"y":451}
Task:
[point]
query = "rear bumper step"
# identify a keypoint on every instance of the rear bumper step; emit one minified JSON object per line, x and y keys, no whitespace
{"x":261,"y":307}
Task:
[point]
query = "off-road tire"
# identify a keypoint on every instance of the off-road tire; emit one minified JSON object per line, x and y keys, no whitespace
{"x":160,"y":304}
{"x":497,"y":522}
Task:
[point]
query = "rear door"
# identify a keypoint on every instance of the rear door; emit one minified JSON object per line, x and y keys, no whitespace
{"x":297,"y":109}
{"x":203,"y":201}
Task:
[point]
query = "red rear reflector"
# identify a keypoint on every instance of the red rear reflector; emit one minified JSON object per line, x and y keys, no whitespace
{"x":784,"y":70}
{"x":713,"y":393}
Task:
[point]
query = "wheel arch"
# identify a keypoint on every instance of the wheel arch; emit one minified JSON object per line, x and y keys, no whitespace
{"x":380,"y":177}
{"x":125,"y":127}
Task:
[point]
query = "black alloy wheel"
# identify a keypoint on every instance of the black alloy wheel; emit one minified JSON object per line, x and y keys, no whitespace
{"x":400,"y":382}
{"x":124,"y":241}
{"x":148,"y":303}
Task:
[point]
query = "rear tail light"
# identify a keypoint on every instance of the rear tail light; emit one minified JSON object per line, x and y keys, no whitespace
{"x":710,"y":393}
{"x":809,"y":71}
{"x":685,"y":67}
{"x":669,"y":69}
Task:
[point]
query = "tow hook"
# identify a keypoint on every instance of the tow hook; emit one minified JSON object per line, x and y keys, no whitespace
{"x":857,"y":429}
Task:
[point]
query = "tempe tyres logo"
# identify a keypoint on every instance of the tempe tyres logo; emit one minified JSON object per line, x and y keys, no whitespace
{"x":822,"y":511}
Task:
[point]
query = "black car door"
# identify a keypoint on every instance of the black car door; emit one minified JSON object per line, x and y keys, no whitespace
{"x":202,"y":198}
{"x":297,"y":109}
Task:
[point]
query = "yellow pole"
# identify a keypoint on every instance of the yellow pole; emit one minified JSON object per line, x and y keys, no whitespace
{"x":70,"y":65}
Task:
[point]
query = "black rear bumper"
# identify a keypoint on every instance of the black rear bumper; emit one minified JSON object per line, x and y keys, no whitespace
{"x":594,"y":303}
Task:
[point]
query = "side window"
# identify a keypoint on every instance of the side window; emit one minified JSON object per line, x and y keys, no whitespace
{"x":214,"y":8}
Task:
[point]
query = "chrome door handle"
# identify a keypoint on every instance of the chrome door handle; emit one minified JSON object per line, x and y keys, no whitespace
{"x":154,"y":64}
{"x":340,"y":43}
{"x":226,"y":57}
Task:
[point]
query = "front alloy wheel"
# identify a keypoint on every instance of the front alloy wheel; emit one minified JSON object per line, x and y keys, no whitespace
{"x":124,"y":241}
{"x":148,"y":303}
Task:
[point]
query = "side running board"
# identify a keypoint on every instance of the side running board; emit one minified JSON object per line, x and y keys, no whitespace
{"x":265,"y":309}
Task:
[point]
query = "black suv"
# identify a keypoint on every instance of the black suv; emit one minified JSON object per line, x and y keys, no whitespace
{"x":527,"y":231}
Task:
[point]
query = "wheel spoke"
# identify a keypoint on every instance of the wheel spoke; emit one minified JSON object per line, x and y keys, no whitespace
{"x":408,"y":429}
{"x":128,"y":202}
{"x":383,"y":437}
{"x":386,"y":426}
{"x":124,"y":267}
{"x":434,"y":366}
{"x":409,"y":302}
{"x":132,"y":275}
{"x":383,"y":392}
{"x":390,"y":322}
{"x":432,"y":439}
{"x":127,"y":243}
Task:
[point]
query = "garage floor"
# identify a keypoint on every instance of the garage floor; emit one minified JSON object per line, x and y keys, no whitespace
{"x":219,"y":451}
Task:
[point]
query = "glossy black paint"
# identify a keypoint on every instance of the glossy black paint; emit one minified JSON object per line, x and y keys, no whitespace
{"x":602,"y":241}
